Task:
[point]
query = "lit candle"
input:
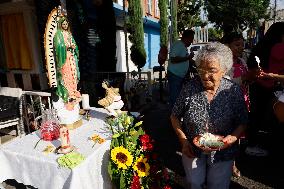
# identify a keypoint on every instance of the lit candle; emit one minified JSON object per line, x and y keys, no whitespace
{"x":258,"y":61}
{"x":85,"y":101}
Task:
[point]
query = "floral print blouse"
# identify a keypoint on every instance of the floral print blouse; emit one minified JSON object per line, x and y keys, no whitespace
{"x":221,"y":116}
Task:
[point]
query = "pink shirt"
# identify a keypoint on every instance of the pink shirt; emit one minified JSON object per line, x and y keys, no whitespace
{"x":239,"y":69}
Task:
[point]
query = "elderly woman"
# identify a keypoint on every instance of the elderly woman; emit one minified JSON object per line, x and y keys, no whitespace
{"x":210,"y":103}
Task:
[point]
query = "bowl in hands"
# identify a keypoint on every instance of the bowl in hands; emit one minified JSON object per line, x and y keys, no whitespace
{"x":209,"y":142}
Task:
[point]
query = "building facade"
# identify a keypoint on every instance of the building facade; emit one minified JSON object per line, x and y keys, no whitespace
{"x":151,"y":35}
{"x":20,"y":57}
{"x":22,"y":62}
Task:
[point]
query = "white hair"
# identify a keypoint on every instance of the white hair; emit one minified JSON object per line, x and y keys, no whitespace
{"x":219,"y":51}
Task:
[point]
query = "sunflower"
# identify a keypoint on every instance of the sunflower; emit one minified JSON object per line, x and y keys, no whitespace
{"x":122,"y":157}
{"x":141,"y":167}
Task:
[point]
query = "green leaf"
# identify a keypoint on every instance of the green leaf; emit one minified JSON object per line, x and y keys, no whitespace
{"x":109,"y":169}
{"x":122,"y":184}
{"x":114,"y":143}
{"x":115,"y":135}
{"x":140,"y":131}
{"x":138,"y":124}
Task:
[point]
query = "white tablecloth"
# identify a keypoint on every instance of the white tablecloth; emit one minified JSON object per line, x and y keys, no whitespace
{"x":20,"y":161}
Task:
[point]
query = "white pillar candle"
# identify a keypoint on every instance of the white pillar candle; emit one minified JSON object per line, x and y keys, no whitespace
{"x":85,"y":101}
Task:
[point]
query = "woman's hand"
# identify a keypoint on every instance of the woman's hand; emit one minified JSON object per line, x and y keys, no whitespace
{"x":229,"y":140}
{"x":187,"y":149}
{"x":264,"y":75}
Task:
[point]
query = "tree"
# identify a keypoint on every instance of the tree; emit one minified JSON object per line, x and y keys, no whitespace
{"x":214,"y":34}
{"x":236,"y":15}
{"x":189,"y":14}
{"x":174,"y":8}
{"x":163,"y":53}
{"x":163,"y":6}
{"x":138,"y":54}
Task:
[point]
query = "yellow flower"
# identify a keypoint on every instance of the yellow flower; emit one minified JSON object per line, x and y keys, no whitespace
{"x":101,"y":140}
{"x":122,"y":157}
{"x":95,"y":137}
{"x":141,"y":167}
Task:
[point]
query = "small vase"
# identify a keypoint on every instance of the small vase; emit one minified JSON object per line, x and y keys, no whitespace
{"x":50,"y":125}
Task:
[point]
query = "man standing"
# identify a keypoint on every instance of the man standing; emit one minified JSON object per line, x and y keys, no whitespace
{"x":179,"y":63}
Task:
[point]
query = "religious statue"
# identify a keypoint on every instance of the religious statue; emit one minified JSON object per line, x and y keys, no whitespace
{"x":62,"y":55}
{"x":67,"y":55}
{"x":112,"y":101}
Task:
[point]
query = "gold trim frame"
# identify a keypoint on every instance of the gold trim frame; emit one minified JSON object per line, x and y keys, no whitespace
{"x":50,"y":30}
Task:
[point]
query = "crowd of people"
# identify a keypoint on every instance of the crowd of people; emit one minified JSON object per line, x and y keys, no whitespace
{"x":227,"y":97}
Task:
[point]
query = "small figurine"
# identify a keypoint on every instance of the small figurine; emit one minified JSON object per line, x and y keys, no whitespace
{"x":112,"y":101}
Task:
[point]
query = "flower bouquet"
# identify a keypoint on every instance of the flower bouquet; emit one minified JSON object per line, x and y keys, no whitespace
{"x":133,"y":164}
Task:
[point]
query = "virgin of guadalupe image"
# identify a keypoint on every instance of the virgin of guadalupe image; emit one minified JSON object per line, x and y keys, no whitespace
{"x":67,"y":70}
{"x":62,"y":55}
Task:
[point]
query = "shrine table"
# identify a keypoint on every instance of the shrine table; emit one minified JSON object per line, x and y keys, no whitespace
{"x":20,"y":161}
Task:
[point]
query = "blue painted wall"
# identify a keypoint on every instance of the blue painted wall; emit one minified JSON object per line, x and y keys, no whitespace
{"x":151,"y":36}
{"x":152,"y":46}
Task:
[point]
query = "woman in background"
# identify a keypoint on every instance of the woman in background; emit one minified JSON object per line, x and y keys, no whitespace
{"x":262,"y":92}
{"x":239,"y":72}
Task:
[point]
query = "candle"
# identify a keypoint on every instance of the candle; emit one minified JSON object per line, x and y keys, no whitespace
{"x":64,"y":136}
{"x":257,"y":60}
{"x":85,"y":101}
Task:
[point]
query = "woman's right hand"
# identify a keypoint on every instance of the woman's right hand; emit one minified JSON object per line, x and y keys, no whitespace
{"x":187,"y":149}
{"x":264,"y":75}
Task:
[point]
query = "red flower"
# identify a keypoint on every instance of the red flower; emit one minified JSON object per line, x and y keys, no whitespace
{"x":145,"y":138}
{"x":167,"y":187}
{"x":146,"y":142}
{"x":147,"y":147}
{"x":135,"y":184}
